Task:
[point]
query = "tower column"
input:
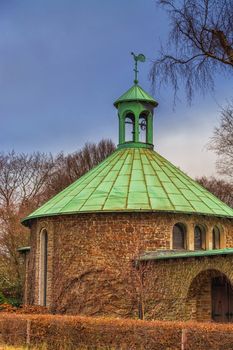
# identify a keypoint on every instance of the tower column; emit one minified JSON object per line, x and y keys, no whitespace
{"x":121,"y":129}
{"x":149,"y":131}
{"x":136,"y":129}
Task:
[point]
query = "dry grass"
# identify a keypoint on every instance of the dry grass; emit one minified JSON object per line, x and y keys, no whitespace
{"x":43,"y":347}
{"x":7,"y":347}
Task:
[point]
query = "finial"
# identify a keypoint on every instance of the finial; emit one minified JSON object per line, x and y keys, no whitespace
{"x":141,"y":58}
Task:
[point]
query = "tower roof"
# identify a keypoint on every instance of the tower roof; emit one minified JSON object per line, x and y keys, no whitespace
{"x":136,"y":93}
{"x":134,"y":179}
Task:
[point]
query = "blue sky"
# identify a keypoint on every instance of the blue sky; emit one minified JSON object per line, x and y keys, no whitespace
{"x":64,"y":62}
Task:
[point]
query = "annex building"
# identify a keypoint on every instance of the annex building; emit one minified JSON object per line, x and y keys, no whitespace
{"x":134,"y":237}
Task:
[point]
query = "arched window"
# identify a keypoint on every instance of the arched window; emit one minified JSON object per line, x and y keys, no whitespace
{"x":129,"y":127}
{"x":43,"y":268}
{"x":143,"y":127}
{"x":199,"y":238}
{"x":216,"y":238}
{"x":179,"y":237}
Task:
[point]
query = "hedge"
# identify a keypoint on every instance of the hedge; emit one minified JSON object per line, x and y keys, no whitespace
{"x":80,"y":332}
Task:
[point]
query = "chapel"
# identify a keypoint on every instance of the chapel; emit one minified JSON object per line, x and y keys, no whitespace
{"x":133,"y":237}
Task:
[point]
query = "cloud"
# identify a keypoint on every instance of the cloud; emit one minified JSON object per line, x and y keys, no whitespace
{"x":186,"y":147}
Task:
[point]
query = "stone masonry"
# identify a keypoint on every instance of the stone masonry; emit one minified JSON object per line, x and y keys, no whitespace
{"x":91,"y":265}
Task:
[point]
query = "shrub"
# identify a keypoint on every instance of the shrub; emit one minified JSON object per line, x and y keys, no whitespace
{"x":2,"y":298}
{"x":9,"y":300}
{"x":79,"y":332}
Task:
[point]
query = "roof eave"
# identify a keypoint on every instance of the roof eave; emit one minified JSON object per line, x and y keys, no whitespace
{"x":185,"y":255}
{"x":152,"y":102}
{"x":26,"y":221}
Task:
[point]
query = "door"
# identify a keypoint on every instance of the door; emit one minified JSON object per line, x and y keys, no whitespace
{"x":222,"y":300}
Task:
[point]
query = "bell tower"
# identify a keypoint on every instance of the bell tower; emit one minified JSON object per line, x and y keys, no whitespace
{"x":135,"y":113}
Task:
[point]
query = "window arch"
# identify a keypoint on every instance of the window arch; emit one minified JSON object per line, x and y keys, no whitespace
{"x":216,"y":238}
{"x":179,"y":236}
{"x":143,"y":127}
{"x":199,"y":238}
{"x":129,"y":127}
{"x":43,"y":267}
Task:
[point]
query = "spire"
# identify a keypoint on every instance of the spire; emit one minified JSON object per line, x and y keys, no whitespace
{"x":135,"y":112}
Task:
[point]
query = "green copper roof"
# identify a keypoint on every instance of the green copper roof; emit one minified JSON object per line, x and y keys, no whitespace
{"x":135,"y":93}
{"x":163,"y":255}
{"x":134,"y":179}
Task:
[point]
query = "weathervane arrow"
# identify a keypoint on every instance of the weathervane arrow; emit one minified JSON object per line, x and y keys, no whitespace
{"x":137,"y":58}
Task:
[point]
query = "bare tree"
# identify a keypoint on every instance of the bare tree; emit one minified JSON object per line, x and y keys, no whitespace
{"x":69,"y":168}
{"x":23,"y":177}
{"x":222,"y":142}
{"x":22,"y":183}
{"x":220,"y":188}
{"x":200,"y":44}
{"x":26,"y":182}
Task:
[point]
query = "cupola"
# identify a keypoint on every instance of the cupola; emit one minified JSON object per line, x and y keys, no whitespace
{"x":135,"y":113}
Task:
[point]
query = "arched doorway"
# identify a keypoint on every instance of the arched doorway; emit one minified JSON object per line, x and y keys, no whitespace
{"x":222,"y":299}
{"x":210,"y":297}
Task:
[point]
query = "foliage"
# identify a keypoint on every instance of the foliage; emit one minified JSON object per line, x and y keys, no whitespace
{"x":9,"y":302}
{"x":2,"y":299}
{"x":200,"y":44}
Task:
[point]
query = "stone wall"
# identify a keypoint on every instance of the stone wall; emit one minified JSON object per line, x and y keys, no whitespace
{"x":90,"y":262}
{"x":182,"y":287}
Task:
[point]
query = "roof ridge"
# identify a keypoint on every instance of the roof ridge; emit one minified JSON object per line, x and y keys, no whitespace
{"x":195,"y":183}
{"x":149,"y":199}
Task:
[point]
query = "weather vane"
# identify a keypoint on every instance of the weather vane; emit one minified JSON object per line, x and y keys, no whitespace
{"x":141,"y":58}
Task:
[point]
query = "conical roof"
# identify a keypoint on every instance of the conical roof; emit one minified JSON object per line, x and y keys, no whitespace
{"x":136,"y":93}
{"x":134,"y":179}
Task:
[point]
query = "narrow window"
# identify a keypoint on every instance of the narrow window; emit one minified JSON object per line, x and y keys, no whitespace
{"x":216,"y":238}
{"x":129,"y":127}
{"x":143,"y":127}
{"x":43,"y":267}
{"x":199,"y":238}
{"x":179,"y":237}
